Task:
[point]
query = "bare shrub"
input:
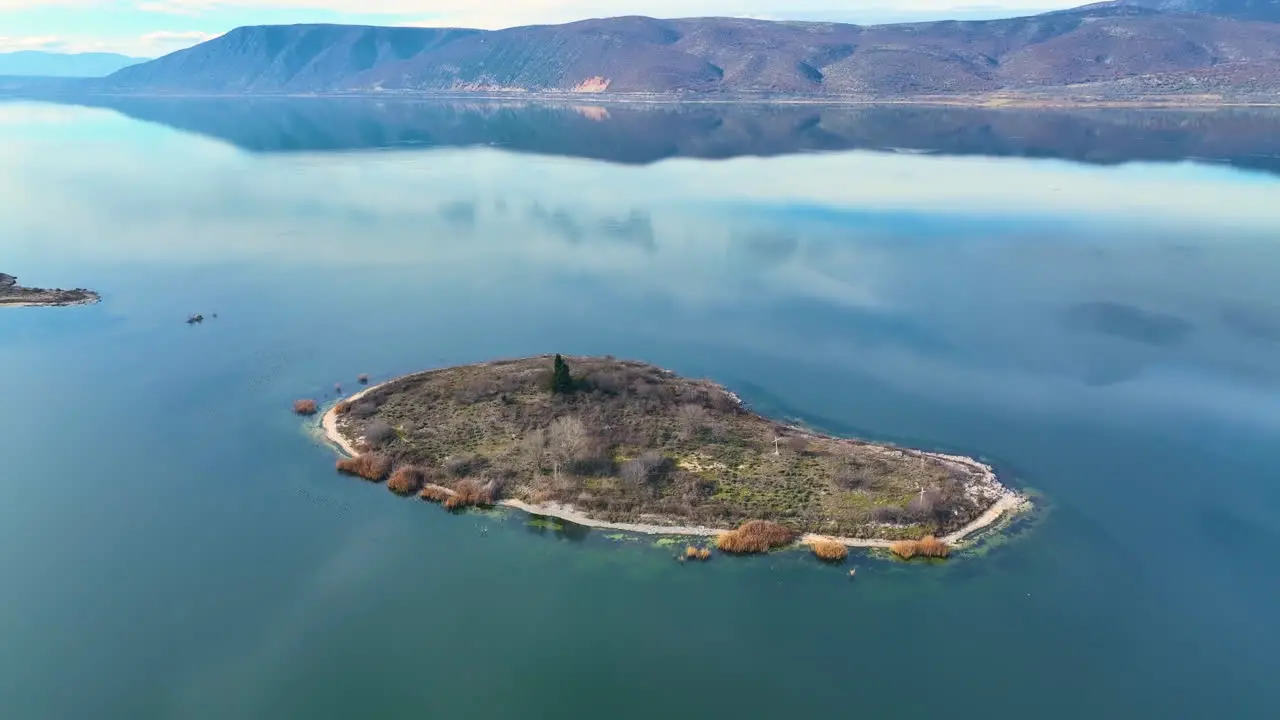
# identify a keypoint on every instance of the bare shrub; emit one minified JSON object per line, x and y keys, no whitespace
{"x":463,"y":465}
{"x":797,"y":443}
{"x":379,"y":433}
{"x":305,"y":407}
{"x":650,"y":468}
{"x":407,"y":480}
{"x":567,"y":440}
{"x":755,"y":536}
{"x":342,"y":408}
{"x":829,"y":550}
{"x":363,"y":409}
{"x":370,"y":466}
{"x":927,"y":546}
{"x":693,"y":419}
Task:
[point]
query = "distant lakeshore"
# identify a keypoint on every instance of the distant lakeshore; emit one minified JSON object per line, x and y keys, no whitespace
{"x":1006,"y":504}
{"x":59,"y":93}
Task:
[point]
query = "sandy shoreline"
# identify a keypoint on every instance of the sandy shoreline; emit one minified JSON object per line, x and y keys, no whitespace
{"x":1006,"y":503}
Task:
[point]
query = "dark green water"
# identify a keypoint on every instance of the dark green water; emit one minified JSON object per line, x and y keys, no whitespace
{"x":174,"y":544}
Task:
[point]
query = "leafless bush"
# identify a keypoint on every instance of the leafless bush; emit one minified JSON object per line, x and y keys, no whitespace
{"x":567,"y":440}
{"x":363,"y":409}
{"x":650,"y":468}
{"x":379,"y":433}
{"x":693,"y":419}
{"x":463,"y":465}
{"x":797,"y":443}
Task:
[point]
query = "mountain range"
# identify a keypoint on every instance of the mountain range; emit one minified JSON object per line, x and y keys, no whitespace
{"x":1115,"y":50}
{"x":46,"y":64}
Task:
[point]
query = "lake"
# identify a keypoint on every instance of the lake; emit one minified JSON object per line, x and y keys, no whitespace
{"x":1088,"y":300}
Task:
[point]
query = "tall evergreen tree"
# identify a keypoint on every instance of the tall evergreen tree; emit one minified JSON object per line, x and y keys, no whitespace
{"x":561,"y":380}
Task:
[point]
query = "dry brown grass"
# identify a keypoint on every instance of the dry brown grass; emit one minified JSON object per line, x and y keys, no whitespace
{"x":755,"y":536}
{"x":468,"y":492}
{"x":829,"y":550}
{"x":691,"y":553}
{"x":435,"y":493}
{"x":342,"y":408}
{"x":305,"y":407}
{"x":407,"y":480}
{"x":927,"y":546}
{"x":704,"y":554}
{"x":370,"y":466}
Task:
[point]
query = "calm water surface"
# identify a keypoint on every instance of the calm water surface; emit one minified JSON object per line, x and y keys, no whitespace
{"x":174,"y":544}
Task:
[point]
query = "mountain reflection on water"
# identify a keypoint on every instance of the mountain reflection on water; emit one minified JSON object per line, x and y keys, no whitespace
{"x":645,"y":133}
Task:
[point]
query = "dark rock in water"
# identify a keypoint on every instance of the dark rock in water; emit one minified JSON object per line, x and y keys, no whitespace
{"x":192,"y":320}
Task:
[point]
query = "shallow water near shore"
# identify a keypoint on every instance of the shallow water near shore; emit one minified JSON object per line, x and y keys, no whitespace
{"x":175,"y":544}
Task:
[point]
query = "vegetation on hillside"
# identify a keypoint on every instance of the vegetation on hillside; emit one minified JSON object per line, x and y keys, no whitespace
{"x":629,"y":442}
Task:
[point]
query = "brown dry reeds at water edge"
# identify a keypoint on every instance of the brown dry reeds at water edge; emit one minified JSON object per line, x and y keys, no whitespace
{"x":927,"y":546}
{"x":829,"y":550}
{"x":407,"y":480}
{"x":755,"y":536}
{"x":370,"y":466}
{"x":342,"y":408}
{"x":435,"y":493}
{"x":469,"y":492}
{"x":305,"y":407}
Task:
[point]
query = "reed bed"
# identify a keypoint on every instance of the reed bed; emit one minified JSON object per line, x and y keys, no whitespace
{"x":755,"y":536}
{"x":305,"y":407}
{"x":407,"y":480}
{"x":469,"y":492}
{"x":342,"y":408}
{"x":927,"y":546}
{"x":435,"y":493}
{"x":370,"y":466}
{"x":829,"y":550}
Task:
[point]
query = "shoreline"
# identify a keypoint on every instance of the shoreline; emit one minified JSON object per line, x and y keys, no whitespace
{"x":1008,"y":501}
{"x":990,"y":101}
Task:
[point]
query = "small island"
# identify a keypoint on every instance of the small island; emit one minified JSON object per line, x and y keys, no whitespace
{"x":14,"y":295}
{"x":624,"y":444}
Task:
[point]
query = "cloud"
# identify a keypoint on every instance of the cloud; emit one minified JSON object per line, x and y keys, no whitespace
{"x":43,"y":42}
{"x":152,"y":44}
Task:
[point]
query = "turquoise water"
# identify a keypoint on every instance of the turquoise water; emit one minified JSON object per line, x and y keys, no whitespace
{"x":175,"y":544}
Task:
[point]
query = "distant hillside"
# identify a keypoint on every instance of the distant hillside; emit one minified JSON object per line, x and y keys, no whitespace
{"x":1114,"y":49}
{"x":44,"y":64}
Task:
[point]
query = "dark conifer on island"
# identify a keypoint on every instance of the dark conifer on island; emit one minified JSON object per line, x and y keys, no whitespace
{"x":561,"y":380}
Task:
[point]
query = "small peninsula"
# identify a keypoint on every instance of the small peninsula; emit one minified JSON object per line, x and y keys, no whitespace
{"x":624,"y":444}
{"x":14,"y":295}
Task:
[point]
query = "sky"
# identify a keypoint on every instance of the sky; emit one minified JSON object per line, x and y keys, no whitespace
{"x":150,"y":28}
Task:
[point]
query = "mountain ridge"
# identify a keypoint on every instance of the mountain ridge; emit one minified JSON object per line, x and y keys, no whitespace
{"x":1113,"y":49}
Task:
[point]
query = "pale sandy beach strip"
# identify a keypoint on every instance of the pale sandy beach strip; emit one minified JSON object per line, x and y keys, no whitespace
{"x":1007,"y":503}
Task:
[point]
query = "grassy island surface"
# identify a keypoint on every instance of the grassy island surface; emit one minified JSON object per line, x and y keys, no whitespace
{"x":14,"y":295}
{"x":631,"y":444}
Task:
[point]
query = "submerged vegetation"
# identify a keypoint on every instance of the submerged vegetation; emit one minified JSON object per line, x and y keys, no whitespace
{"x":624,"y":441}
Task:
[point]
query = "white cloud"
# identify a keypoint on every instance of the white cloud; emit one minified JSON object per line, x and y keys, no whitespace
{"x":152,"y":44}
{"x":43,"y":42}
{"x":506,"y":13}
